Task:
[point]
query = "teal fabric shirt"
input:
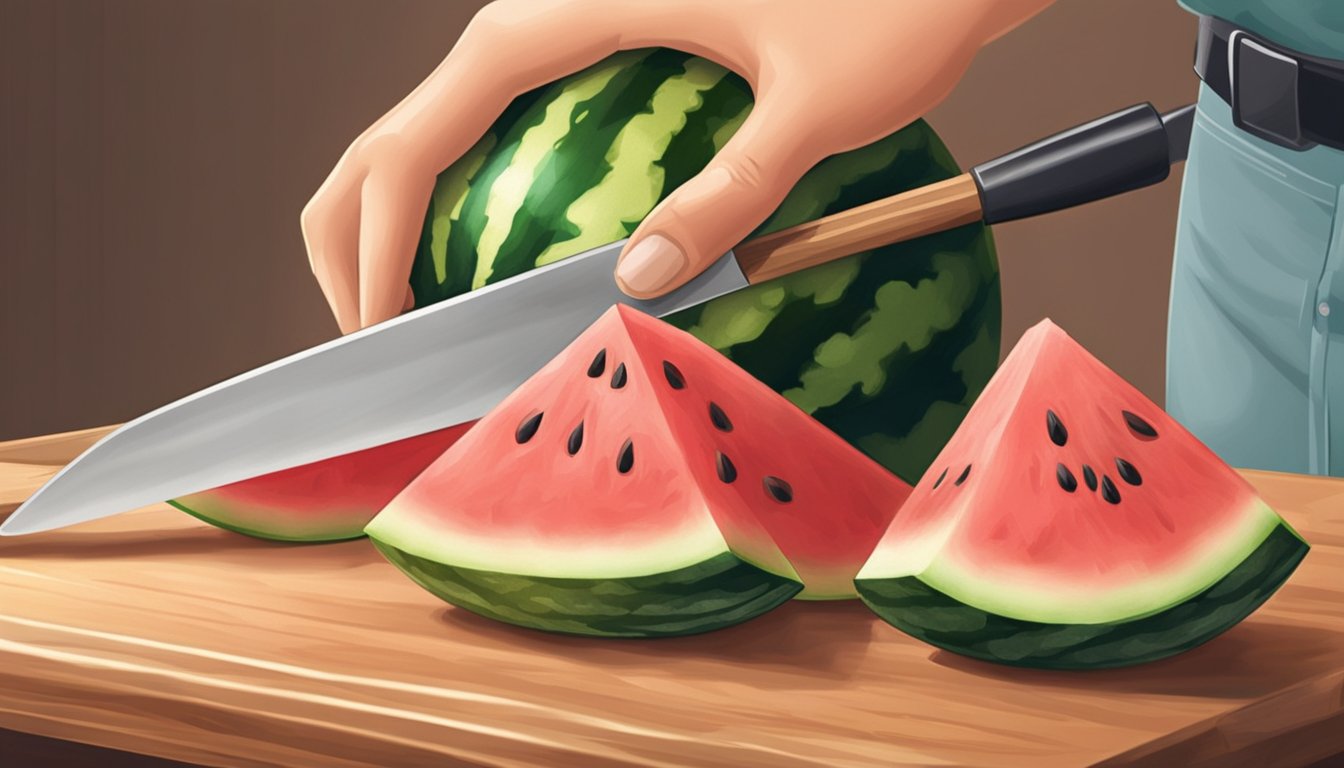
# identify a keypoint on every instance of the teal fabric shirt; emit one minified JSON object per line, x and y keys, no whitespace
{"x":1315,"y":27}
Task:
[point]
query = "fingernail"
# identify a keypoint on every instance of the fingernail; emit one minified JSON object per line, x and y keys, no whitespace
{"x":651,"y":265}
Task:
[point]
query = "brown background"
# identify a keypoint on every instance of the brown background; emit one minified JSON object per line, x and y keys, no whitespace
{"x":155,"y":154}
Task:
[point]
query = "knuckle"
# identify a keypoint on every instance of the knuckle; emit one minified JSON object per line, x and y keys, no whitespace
{"x":746,"y":169}
{"x":313,"y":222}
{"x":312,"y":216}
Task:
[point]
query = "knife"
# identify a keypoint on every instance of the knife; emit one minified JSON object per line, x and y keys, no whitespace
{"x":450,"y":362}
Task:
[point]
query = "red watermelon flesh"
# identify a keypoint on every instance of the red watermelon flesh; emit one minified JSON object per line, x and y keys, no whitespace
{"x":1067,"y":497}
{"x":637,"y":454}
{"x":326,"y":500}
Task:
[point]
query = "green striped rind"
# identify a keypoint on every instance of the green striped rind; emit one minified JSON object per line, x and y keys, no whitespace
{"x":270,"y":535}
{"x":440,"y":270}
{"x":712,"y":594}
{"x":938,"y":619}
{"x":887,"y":348}
{"x":546,"y":153}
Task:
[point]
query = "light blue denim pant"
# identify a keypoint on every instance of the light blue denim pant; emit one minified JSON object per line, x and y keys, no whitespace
{"x":1255,"y":355}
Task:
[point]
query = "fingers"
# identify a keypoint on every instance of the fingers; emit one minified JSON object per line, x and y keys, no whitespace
{"x":714,"y":210}
{"x":392,"y":210}
{"x":330,"y":224}
{"x":362,"y":227}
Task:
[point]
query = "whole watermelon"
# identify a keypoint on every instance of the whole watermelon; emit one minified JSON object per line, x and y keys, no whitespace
{"x":888,"y":348}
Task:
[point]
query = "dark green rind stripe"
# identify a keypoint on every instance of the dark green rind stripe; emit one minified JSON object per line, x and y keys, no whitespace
{"x":218,"y":523}
{"x":461,"y":261}
{"x":577,"y":163}
{"x":713,"y":594}
{"x":916,"y":380}
{"x":938,"y":619}
{"x":513,"y":126}
{"x":693,"y":147}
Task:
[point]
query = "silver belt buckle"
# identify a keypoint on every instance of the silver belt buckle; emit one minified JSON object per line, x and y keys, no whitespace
{"x":1264,"y":91}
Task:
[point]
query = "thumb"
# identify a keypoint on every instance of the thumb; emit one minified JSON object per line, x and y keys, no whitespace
{"x":713,"y":211}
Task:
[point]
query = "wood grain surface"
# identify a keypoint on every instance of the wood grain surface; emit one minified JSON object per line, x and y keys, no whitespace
{"x":154,"y":633}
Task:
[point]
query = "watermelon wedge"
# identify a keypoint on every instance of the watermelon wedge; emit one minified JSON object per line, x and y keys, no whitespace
{"x":640,"y":484}
{"x":1071,"y":523}
{"x":326,"y":500}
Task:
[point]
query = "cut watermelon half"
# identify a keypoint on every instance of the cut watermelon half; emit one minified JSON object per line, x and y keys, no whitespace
{"x":328,"y":500}
{"x":640,"y":484}
{"x":1071,"y":523}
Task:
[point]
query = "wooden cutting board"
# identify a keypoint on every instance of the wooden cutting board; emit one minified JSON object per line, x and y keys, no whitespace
{"x":154,"y":633}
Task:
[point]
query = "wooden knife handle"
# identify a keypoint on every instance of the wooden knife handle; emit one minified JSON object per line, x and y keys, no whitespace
{"x":1125,"y":150}
{"x":922,"y":211}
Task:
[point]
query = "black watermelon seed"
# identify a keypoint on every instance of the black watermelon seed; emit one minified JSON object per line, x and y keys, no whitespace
{"x":939,"y":481}
{"x":1066,"y":479}
{"x":727,"y":472}
{"x":719,"y":418}
{"x":1108,"y":490}
{"x":598,"y":365}
{"x":575,"y":440}
{"x":965,"y":473}
{"x":778,"y":489}
{"x":674,"y":376}
{"x":1128,"y":472}
{"x":1090,"y":478}
{"x":618,"y":377}
{"x":1058,"y":434}
{"x":626,"y":459}
{"x":1139,"y":426}
{"x":528,"y":427}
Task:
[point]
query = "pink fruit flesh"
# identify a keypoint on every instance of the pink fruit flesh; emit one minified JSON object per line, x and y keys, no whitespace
{"x":547,"y":495}
{"x":326,"y":500}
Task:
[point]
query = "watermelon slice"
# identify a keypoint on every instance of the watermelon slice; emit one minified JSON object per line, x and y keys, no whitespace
{"x":640,"y":484}
{"x":1071,"y":523}
{"x":326,"y":500}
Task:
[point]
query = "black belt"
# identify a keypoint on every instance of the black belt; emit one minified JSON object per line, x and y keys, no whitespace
{"x":1276,"y":93}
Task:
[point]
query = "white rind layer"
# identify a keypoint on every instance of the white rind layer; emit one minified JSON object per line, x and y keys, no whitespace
{"x":432,"y":536}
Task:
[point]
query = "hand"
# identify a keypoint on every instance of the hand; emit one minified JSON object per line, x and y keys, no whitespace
{"x":827,"y":76}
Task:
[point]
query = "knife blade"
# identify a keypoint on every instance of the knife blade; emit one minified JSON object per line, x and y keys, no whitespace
{"x":451,"y":362}
{"x":435,"y":367}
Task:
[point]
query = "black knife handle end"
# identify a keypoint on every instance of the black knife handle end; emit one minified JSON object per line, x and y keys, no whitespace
{"x":1113,"y":154}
